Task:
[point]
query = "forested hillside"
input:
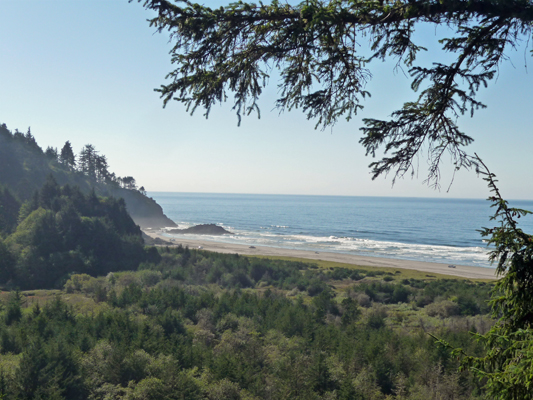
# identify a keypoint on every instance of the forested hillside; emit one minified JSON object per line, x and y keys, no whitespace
{"x":24,"y":167}
{"x":61,"y":231}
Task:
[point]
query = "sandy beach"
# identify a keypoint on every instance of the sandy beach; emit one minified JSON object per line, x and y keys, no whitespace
{"x":363,"y":261}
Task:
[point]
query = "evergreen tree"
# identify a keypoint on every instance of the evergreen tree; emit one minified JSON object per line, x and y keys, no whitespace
{"x":63,"y":231}
{"x":101,"y":166}
{"x":5,"y":133}
{"x":507,"y":368}
{"x":128,"y":182}
{"x":34,"y":378}
{"x":7,"y":264}
{"x":87,"y":161}
{"x":13,"y":309}
{"x":9,"y":209}
{"x":49,"y":193}
{"x":29,"y":139}
{"x":67,"y":156}
{"x":324,"y":69}
{"x":51,"y":153}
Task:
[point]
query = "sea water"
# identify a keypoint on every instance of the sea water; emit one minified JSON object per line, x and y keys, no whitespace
{"x":422,"y":229}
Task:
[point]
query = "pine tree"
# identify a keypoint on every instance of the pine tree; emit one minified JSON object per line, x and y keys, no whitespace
{"x":9,"y":208}
{"x":318,"y":49}
{"x":87,"y":161}
{"x":49,"y":192}
{"x":31,"y":142}
{"x":101,"y":166}
{"x":507,"y":367}
{"x":128,"y":182}
{"x":51,"y":153}
{"x":67,"y":156}
{"x":35,"y":374}
{"x":7,"y":264}
{"x":13,"y":309}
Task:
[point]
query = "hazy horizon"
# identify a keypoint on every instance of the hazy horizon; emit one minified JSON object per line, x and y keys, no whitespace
{"x":85,"y":72}
{"x":153,"y":192}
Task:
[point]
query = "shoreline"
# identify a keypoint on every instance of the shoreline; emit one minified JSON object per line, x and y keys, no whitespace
{"x":462,"y":271}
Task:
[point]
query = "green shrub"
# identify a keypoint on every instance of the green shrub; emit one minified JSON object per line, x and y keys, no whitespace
{"x":443,"y":309}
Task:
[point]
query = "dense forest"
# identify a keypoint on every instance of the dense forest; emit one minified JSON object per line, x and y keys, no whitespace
{"x":90,"y":312}
{"x":199,"y":325}
{"x":60,"y":231}
{"x":24,"y":167}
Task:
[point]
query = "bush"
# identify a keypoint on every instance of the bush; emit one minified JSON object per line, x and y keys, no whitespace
{"x":400,"y":294}
{"x":363,"y":300}
{"x":376,"y":317}
{"x":443,"y":309}
{"x":149,"y":278}
{"x":356,"y":276}
{"x":468,"y":305}
{"x":316,"y":287}
{"x":77,"y":282}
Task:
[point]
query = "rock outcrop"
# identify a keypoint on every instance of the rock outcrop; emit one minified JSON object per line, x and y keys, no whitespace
{"x":204,"y":229}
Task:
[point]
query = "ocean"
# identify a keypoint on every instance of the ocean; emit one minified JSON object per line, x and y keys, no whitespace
{"x":422,"y":229}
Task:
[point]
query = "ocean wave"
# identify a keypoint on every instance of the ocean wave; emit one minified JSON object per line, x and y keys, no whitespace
{"x":266,"y":236}
{"x":421,"y":252}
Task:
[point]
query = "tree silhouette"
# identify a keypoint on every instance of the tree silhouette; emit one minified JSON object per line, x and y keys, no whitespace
{"x":67,"y":156}
{"x":318,"y":49}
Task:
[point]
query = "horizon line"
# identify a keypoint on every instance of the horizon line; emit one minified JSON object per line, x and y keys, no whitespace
{"x":332,"y":195}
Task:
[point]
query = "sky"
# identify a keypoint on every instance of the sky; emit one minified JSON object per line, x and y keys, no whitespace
{"x":85,"y":70}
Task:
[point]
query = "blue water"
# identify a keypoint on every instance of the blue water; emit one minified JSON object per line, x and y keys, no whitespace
{"x":424,"y":229}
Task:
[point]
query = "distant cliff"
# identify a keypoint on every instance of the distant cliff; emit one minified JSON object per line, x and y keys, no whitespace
{"x":24,"y":167}
{"x":144,"y":210}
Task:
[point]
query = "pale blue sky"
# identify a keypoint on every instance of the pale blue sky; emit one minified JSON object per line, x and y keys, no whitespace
{"x":85,"y":70}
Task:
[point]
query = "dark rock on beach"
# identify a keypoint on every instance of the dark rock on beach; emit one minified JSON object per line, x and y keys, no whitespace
{"x":204,"y":229}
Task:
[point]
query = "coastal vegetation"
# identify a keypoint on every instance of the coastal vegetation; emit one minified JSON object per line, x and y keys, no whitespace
{"x":121,"y":320}
{"x":202,"y":325}
{"x":25,"y":166}
{"x":60,"y":231}
{"x":136,"y":322}
{"x":317,"y":49}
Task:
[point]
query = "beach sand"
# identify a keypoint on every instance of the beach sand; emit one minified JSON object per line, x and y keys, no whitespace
{"x":362,"y":261}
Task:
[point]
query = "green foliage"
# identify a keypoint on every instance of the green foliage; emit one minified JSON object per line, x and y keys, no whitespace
{"x":67,"y":156}
{"x":160,"y":338}
{"x":25,"y":168}
{"x":70,"y":232}
{"x":7,"y":263}
{"x":9,"y":209}
{"x":507,"y":366}
{"x":317,"y":48}
{"x":13,"y":308}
